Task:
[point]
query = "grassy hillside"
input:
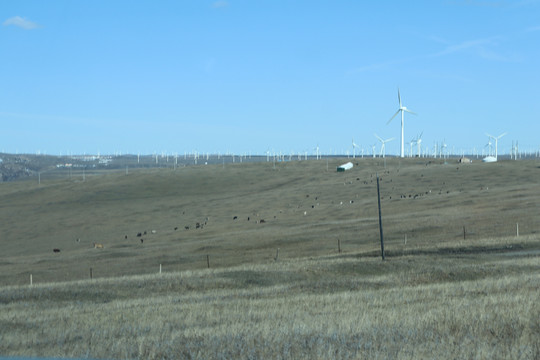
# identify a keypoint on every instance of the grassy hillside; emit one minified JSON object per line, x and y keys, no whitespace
{"x":433,"y":302}
{"x":305,"y":207}
{"x":441,"y":293}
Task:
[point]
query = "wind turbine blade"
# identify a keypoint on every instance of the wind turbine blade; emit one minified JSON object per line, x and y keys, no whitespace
{"x":500,"y":136}
{"x":389,"y":140}
{"x":409,"y":111}
{"x":392,"y":118}
{"x":399,"y":97}
{"x":380,"y":139}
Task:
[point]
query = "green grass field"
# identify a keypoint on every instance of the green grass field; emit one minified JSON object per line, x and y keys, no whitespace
{"x":457,"y":281}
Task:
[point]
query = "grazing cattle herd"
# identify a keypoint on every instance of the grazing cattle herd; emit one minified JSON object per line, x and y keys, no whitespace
{"x":310,"y":203}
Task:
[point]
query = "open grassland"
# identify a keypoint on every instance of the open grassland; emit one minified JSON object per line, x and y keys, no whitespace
{"x":441,"y":302}
{"x":457,"y":281}
{"x":305,"y":207}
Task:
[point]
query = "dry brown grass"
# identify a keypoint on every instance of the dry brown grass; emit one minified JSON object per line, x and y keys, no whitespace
{"x":425,"y":305}
{"x":437,"y":296}
{"x":487,"y":199}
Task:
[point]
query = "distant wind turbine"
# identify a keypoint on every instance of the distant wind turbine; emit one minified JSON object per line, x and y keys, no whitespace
{"x":401,"y":109}
{"x":496,"y":138}
{"x":354,"y":146}
{"x":383,"y":142}
{"x":418,"y":142}
{"x":444,"y":152}
{"x":488,"y":145}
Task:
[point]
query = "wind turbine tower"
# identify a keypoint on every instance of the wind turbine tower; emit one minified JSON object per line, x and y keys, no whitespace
{"x":401,"y":109}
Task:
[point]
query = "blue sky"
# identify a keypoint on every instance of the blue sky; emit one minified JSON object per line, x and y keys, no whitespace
{"x":251,"y":76}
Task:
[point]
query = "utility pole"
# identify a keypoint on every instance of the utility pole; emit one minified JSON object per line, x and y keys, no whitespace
{"x":380,"y":218}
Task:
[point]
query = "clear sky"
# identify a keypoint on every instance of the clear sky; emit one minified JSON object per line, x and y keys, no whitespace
{"x":250,"y":76}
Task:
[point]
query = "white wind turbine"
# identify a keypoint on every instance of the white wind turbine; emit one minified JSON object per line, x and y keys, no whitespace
{"x":444,"y":152}
{"x":411,"y":143}
{"x":488,"y":145}
{"x":418,"y":142}
{"x":383,"y":142}
{"x":496,"y":138}
{"x":401,"y":109}
{"x":317,"y":151}
{"x":354,"y":146}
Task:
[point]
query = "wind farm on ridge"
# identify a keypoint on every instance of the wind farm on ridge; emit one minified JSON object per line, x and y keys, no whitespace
{"x":440,"y":149}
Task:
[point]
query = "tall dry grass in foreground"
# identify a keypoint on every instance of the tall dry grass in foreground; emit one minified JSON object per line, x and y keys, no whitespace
{"x":460,"y":303}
